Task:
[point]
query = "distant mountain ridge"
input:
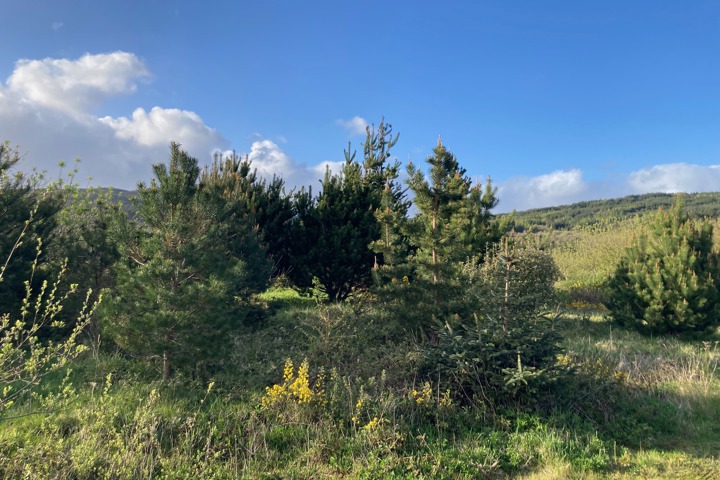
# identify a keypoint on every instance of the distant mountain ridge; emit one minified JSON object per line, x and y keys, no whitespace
{"x":567,"y":217}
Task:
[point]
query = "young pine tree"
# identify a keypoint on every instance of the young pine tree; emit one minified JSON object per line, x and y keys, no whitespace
{"x":28,"y":213}
{"x":440,"y":200}
{"x":176,"y":282}
{"x":240,"y":201}
{"x":343,"y":227}
{"x":668,"y":281}
{"x":481,"y":229}
{"x":391,"y":246}
{"x":454,"y":224}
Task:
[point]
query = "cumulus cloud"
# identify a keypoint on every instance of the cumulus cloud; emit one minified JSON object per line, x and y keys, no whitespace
{"x":561,"y":186}
{"x":76,"y":86}
{"x":270,"y":160}
{"x":46,"y":107}
{"x":155,"y":127}
{"x":354,"y":126}
{"x":676,"y":177}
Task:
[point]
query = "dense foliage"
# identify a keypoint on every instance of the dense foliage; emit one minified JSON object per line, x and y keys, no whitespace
{"x":36,"y":336}
{"x":27,"y":216}
{"x":506,"y":349}
{"x":453,"y":225}
{"x":181,"y":280}
{"x":667,"y":282}
{"x":433,"y":347}
{"x":341,"y":228}
{"x":256,"y":212}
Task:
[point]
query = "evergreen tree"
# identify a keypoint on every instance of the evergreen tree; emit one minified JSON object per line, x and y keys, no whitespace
{"x":440,"y":201}
{"x":391,"y":246}
{"x":482,"y":229}
{"x":302,"y":230}
{"x":343,"y":227}
{"x":274,"y":215}
{"x":667,"y":282}
{"x":505,"y":349}
{"x":82,"y":239}
{"x":241,"y":203}
{"x":177,"y":278}
{"x":28,"y":211}
{"x":454,"y":224}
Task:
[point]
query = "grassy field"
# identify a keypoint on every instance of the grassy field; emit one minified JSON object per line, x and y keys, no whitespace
{"x":313,"y":390}
{"x":633,"y":407}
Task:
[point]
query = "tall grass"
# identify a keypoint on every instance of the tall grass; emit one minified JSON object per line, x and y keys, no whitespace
{"x":588,"y":258}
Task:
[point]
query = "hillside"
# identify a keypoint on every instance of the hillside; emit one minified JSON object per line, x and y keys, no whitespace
{"x":567,"y":217}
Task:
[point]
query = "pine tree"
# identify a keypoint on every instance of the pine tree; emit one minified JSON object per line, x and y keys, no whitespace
{"x":482,"y":230}
{"x":82,"y":239}
{"x":177,"y":278}
{"x":454,"y":224}
{"x":667,"y":282}
{"x":342,"y":229}
{"x":302,"y":230}
{"x":241,"y":203}
{"x":28,"y":214}
{"x":440,"y":201}
{"x":392,"y":244}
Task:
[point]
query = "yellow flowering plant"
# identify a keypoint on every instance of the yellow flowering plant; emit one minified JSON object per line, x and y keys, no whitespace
{"x":295,"y":389}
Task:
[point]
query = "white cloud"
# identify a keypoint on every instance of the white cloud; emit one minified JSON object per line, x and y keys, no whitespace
{"x":154,"y":128}
{"x":46,"y":108}
{"x":522,"y":193}
{"x":269,"y":159}
{"x":76,"y":86}
{"x":354,"y":126}
{"x":676,"y":177}
{"x":57,"y":26}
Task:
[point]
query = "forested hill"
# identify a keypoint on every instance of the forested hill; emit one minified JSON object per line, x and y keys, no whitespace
{"x":567,"y":217}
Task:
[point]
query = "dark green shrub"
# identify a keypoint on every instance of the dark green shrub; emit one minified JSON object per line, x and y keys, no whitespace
{"x":667,"y":281}
{"x":506,"y":349}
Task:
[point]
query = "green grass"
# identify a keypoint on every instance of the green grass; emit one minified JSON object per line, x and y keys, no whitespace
{"x":636,"y":407}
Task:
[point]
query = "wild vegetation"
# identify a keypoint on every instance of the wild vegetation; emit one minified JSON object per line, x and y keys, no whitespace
{"x":594,"y":212}
{"x":233,"y":329}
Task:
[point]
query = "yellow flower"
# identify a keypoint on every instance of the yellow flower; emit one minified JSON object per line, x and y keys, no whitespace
{"x":295,"y":388}
{"x":372,"y":424}
{"x":424,"y":395}
{"x":446,"y":400}
{"x":288,"y":371}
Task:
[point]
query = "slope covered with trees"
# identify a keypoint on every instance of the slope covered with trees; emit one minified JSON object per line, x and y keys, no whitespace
{"x":581,"y":214}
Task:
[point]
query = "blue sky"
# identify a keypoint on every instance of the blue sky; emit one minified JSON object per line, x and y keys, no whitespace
{"x":558,"y":101}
